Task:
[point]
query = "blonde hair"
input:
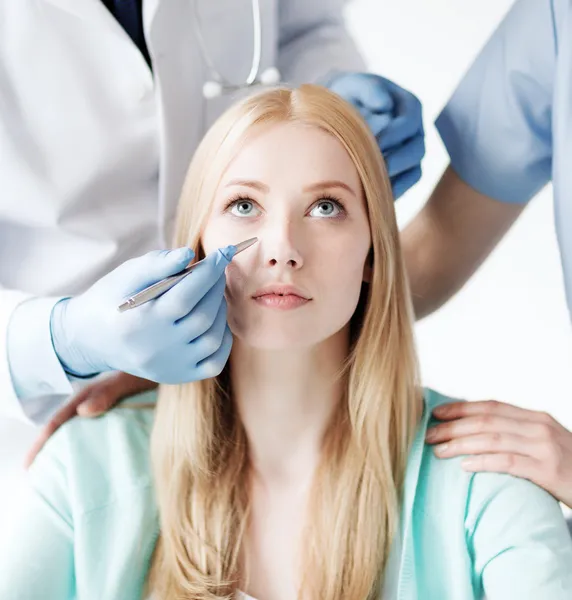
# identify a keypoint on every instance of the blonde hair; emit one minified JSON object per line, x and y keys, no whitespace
{"x":199,"y":446}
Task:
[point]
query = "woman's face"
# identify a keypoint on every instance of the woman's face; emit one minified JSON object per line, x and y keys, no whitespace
{"x":296,"y":189}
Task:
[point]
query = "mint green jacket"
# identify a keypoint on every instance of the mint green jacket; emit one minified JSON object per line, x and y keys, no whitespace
{"x":87,"y":528}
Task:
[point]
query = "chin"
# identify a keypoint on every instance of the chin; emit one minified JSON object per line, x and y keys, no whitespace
{"x":274,"y":336}
{"x":270,"y":338}
{"x":290,"y":330}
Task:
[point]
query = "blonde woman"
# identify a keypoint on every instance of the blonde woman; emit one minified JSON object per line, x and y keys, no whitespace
{"x":300,"y":471}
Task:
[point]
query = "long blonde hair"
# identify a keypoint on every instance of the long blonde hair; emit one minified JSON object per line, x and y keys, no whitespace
{"x":199,"y":447}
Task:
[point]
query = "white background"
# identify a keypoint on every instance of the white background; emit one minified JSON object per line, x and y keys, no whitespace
{"x":507,"y":335}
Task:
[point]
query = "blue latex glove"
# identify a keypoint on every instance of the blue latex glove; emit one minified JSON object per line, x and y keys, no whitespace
{"x":394,"y":116}
{"x":179,"y":337}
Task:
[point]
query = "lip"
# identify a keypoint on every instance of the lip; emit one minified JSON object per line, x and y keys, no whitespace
{"x":287,"y":302}
{"x":280,"y":290}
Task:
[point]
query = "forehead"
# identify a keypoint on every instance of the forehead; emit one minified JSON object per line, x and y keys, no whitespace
{"x":293,"y":151}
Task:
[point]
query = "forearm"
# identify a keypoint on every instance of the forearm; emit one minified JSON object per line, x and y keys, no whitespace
{"x":450,"y":238}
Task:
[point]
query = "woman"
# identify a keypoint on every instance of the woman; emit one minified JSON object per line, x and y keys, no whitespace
{"x":300,"y":471}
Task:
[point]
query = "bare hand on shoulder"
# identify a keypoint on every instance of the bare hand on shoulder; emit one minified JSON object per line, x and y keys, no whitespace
{"x":504,"y":438}
{"x":92,"y":401}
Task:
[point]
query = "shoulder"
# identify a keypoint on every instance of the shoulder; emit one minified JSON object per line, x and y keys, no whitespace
{"x":506,"y":534}
{"x":89,"y":462}
{"x":494,"y":495}
{"x":442,"y":482}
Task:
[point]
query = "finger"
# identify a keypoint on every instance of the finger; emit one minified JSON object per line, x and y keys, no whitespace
{"x":405,"y":157}
{"x":376,"y":122}
{"x":405,"y":181}
{"x":209,"y":342}
{"x":103,"y":393}
{"x":181,"y":299}
{"x":63,"y":415}
{"x":363,"y":111}
{"x":101,"y":400}
{"x":408,"y":121}
{"x":400,"y":130}
{"x":204,"y":314}
{"x":35,"y":449}
{"x":406,"y":104}
{"x":445,"y":432}
{"x":486,"y":443}
{"x":456,"y":410}
{"x":214,"y":364}
{"x":364,"y":90}
{"x":136,"y":274}
{"x":511,"y":464}
{"x":99,"y":403}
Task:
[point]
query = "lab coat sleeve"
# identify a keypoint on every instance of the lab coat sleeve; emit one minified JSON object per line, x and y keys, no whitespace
{"x":497,"y":125}
{"x":36,"y":549}
{"x":314,"y":42}
{"x":30,"y":371}
{"x":519,"y":540}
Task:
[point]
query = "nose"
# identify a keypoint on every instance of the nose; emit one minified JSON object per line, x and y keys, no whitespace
{"x":279,"y":245}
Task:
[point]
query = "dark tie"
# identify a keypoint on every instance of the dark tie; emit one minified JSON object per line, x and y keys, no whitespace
{"x":129,"y":14}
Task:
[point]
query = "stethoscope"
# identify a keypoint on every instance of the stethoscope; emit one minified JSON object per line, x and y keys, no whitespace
{"x":218,"y":85}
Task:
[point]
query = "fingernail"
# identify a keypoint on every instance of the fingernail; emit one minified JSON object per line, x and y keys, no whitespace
{"x":441,"y":410}
{"x":82,"y":410}
{"x":89,"y":409}
{"x":228,"y":252}
{"x":441,"y":448}
{"x":184,"y":253}
{"x":430,"y":435}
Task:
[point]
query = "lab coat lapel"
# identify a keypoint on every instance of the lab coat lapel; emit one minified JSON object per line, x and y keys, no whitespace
{"x":150,"y":8}
{"x":184,"y":113}
{"x":85,"y":9}
{"x":95,"y":13}
{"x":179,"y":75}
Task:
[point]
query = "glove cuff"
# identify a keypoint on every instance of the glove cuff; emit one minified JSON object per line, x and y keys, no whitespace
{"x":68,"y":350}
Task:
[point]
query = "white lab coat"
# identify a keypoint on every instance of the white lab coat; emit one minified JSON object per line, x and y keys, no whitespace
{"x":94,"y":146}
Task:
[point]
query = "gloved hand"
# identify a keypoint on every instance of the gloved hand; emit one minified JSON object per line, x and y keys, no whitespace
{"x":179,"y":337}
{"x":394,"y":116}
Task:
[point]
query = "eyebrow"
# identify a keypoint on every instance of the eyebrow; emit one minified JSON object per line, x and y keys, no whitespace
{"x":320,"y":185}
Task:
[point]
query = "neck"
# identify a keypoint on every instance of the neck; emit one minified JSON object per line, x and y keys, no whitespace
{"x":286,"y":399}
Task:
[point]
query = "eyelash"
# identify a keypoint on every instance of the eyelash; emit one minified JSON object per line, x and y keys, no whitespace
{"x":236,"y":199}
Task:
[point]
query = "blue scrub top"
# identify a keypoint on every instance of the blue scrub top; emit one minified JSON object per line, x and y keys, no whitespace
{"x":508,"y":126}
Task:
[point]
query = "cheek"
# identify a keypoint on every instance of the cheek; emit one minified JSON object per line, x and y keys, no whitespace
{"x":346,"y":278}
{"x":343,"y":274}
{"x":237,"y":280}
{"x":347,"y":256}
{"x":237,"y":293}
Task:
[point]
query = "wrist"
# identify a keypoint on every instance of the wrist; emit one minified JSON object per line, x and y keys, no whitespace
{"x":67,"y":346}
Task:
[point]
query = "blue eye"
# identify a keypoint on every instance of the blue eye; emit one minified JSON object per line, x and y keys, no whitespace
{"x":327,"y":208}
{"x":242,"y":207}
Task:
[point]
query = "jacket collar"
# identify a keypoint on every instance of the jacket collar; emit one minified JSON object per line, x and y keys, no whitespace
{"x":407,"y":587}
{"x":90,"y":9}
